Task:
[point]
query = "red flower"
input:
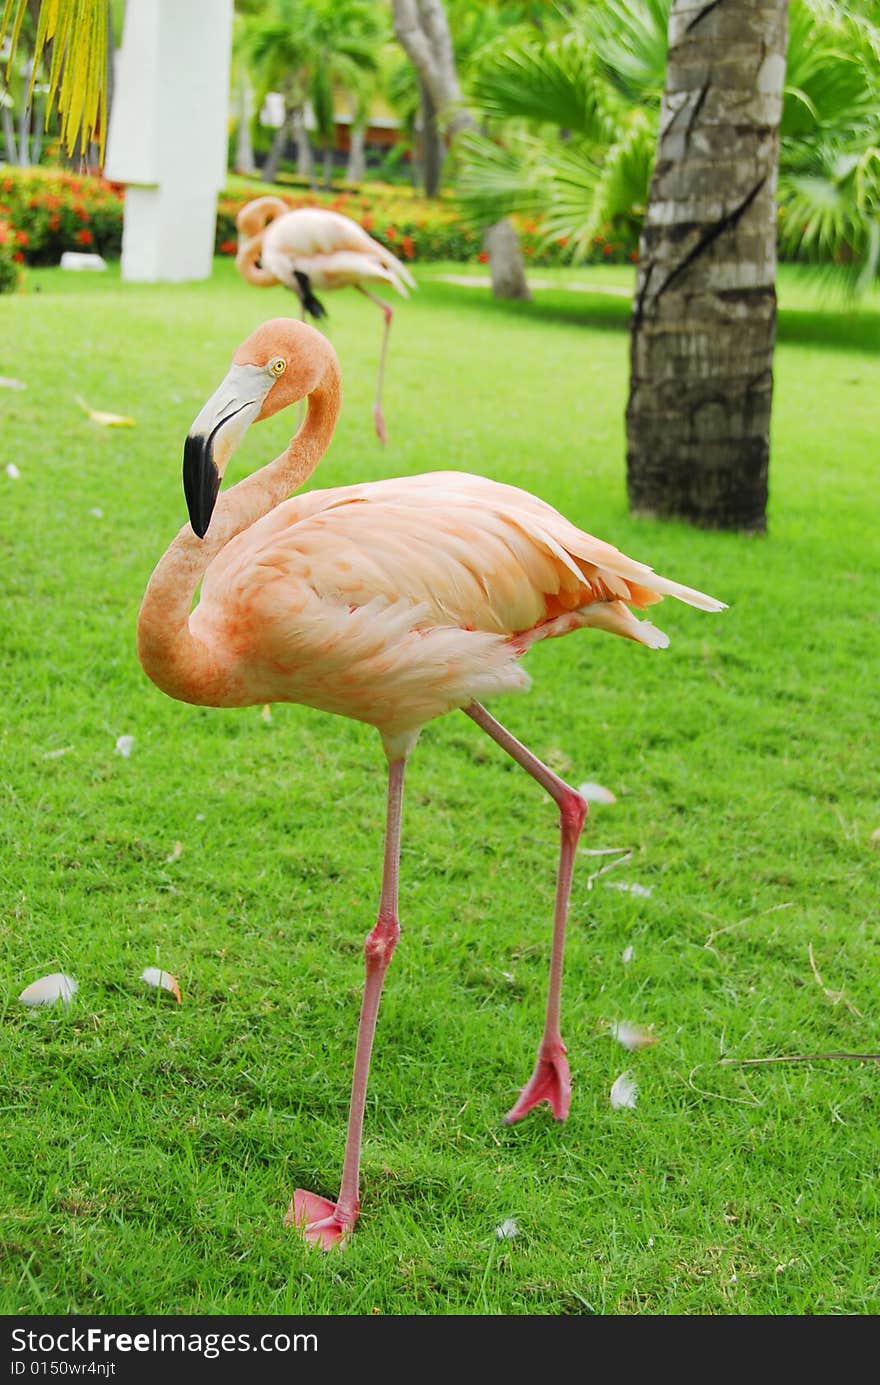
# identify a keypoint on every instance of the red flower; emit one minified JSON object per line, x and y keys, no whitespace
{"x":409,"y":249}
{"x":228,"y":247}
{"x":634,"y":256}
{"x":562,"y":240}
{"x":22,"y":237}
{"x":85,"y":236}
{"x":483,"y":257}
{"x":607,"y":249}
{"x":19,"y":256}
{"x":367,"y":222}
{"x":391,"y":232}
{"x":54,"y":221}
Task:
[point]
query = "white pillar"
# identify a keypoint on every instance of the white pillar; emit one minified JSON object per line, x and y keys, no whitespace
{"x":168,"y":134}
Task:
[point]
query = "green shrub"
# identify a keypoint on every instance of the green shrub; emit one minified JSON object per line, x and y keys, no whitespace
{"x":51,"y":211}
{"x":9,"y":258}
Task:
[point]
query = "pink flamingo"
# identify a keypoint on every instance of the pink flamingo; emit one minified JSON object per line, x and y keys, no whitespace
{"x":391,"y":602}
{"x":310,"y":248}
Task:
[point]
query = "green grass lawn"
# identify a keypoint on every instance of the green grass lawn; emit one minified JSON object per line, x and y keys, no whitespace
{"x":149,"y":1150}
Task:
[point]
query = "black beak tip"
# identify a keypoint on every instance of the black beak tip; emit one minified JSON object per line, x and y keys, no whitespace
{"x":201,"y":482}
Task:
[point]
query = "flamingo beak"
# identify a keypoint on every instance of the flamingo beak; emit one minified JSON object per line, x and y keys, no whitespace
{"x":215,"y":433}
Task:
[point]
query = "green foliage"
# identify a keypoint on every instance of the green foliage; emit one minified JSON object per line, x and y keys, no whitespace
{"x":10,"y":274}
{"x":74,"y":33}
{"x":829,"y":179}
{"x":306,"y":49}
{"x":572,"y":129}
{"x":150,"y":1149}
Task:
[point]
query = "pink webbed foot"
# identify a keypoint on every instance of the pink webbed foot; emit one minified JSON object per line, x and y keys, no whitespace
{"x":319,"y":1220}
{"x":549,"y":1082}
{"x":379,"y":421}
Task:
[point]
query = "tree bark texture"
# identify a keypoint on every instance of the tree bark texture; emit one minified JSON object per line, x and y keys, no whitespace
{"x":305,"y":164}
{"x":276,"y":151}
{"x":433,"y":151}
{"x":704,"y":316}
{"x":422,"y":30}
{"x":357,"y":164}
{"x":505,"y":256}
{"x":244,"y":149}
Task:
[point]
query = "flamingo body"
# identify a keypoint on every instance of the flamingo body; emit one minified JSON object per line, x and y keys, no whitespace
{"x":308,"y":248}
{"x":396,"y":601}
{"x":390,"y":602}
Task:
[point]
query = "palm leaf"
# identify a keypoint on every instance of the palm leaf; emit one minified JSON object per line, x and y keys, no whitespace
{"x":548,"y":83}
{"x":630,"y":39}
{"x":77,"y":31}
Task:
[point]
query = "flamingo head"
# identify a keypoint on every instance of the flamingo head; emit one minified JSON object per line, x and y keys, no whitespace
{"x":282,"y":361}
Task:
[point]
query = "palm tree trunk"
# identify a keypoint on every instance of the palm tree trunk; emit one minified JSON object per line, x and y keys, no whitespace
{"x":279,"y":144}
{"x":433,"y":149}
{"x":244,"y":149}
{"x":506,"y":262}
{"x":39,"y":113}
{"x":305,"y":164}
{"x":357,"y":165}
{"x":24,"y":121}
{"x":422,"y":29}
{"x":704,"y":317}
{"x":9,"y":136}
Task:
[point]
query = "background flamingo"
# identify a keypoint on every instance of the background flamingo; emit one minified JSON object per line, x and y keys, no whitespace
{"x":391,"y":602}
{"x":310,"y":248}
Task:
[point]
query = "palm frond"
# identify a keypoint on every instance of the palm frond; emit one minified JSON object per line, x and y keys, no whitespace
{"x":77,"y":30}
{"x":548,"y":84}
{"x":630,"y":39}
{"x":828,"y":82}
{"x":497,"y":179}
{"x":830,"y":214}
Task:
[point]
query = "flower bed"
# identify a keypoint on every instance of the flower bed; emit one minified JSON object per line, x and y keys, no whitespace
{"x":50,"y":211}
{"x":54,"y":211}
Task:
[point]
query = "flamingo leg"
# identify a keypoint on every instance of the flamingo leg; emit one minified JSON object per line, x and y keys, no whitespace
{"x":388,"y":313}
{"x":550,"y":1080}
{"x":321,"y":1221}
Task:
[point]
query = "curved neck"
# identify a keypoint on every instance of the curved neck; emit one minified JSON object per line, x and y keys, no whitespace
{"x":252,"y":222}
{"x":246,"y":262}
{"x":176,"y":661}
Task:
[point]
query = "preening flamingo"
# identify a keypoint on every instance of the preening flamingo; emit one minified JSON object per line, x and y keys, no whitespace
{"x":308,"y":248}
{"x":391,"y":602}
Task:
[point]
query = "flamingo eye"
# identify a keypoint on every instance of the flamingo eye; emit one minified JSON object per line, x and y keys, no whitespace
{"x":278,"y":366}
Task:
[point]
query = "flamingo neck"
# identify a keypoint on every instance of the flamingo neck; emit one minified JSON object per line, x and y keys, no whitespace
{"x":179,"y":663}
{"x":253,"y":226}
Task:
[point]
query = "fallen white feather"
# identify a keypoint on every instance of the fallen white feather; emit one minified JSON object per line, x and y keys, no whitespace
{"x":627,"y":954}
{"x":13,"y":472}
{"x":596,"y":793}
{"x":49,"y":989}
{"x":641,"y":891}
{"x":176,"y":852}
{"x":632,"y":1036}
{"x":266,"y":713}
{"x":624,"y":1092}
{"x":56,"y":754}
{"x":163,"y":980}
{"x":507,"y":1230}
{"x":8,"y":382}
{"x":124,"y":745}
{"x":97,"y":512}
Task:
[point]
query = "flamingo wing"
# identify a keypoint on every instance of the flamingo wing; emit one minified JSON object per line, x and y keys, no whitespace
{"x":470,"y":552}
{"x":312,"y":238}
